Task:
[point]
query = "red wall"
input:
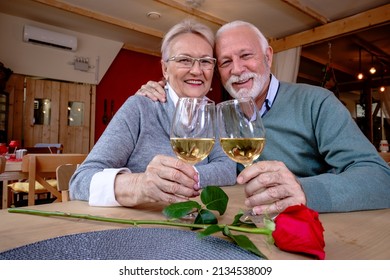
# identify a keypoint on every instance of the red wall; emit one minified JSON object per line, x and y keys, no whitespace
{"x":128,"y":72}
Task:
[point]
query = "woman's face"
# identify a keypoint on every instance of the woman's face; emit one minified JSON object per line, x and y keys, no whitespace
{"x":192,"y":81}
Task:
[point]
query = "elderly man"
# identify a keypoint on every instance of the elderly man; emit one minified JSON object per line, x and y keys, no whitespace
{"x":315,"y":154}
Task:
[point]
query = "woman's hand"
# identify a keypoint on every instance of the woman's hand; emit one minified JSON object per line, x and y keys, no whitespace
{"x":166,"y":179}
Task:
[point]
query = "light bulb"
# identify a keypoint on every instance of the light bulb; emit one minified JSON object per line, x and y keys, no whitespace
{"x":360,"y":76}
{"x":382,"y":89}
{"x":372,"y":70}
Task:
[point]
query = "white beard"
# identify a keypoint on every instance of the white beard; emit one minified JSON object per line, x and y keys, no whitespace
{"x":259,"y":83}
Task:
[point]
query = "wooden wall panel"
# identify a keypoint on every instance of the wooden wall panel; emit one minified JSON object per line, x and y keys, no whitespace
{"x":22,"y":93}
{"x":15,"y":89}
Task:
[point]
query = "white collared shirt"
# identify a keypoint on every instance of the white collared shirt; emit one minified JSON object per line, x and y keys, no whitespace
{"x":271,"y":95}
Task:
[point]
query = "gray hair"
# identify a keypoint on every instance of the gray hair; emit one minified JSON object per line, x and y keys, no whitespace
{"x":262,"y":39}
{"x":183,"y":27}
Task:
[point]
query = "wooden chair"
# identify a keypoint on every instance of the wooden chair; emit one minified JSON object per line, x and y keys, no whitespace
{"x":41,"y":166}
{"x":41,"y":150}
{"x":63,"y":173}
{"x":54,"y":147}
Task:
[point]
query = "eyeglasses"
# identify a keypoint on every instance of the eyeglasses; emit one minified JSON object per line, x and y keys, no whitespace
{"x":184,"y":61}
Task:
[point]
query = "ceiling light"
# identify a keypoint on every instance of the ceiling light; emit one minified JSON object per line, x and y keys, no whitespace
{"x":360,"y":76}
{"x":382,"y":89}
{"x":372,"y":69}
{"x":153,"y":15}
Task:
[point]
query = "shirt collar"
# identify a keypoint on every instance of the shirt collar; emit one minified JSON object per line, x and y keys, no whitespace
{"x":271,"y":94}
{"x":172,"y":94}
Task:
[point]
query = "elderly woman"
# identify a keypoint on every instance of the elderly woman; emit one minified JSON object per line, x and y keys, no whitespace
{"x":133,"y":162}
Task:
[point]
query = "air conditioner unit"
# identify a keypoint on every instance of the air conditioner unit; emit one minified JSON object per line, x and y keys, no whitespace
{"x":41,"y":36}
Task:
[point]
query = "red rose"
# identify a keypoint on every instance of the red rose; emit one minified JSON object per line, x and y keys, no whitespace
{"x":298,"y":229}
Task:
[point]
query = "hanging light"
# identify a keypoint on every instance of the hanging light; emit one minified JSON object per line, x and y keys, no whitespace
{"x":360,"y":76}
{"x":372,"y":69}
{"x":382,"y":87}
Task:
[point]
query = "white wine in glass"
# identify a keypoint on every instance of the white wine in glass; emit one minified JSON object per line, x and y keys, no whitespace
{"x":242,"y":134}
{"x":193,"y":129}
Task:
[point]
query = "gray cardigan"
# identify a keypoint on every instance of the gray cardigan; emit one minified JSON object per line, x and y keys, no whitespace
{"x":138,"y":132}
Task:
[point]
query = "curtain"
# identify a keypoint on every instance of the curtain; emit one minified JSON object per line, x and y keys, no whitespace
{"x":285,"y":64}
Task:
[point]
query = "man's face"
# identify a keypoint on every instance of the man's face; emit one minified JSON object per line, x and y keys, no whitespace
{"x":243,"y":66}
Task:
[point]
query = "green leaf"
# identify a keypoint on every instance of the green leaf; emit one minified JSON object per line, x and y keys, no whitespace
{"x":244,"y":242}
{"x":180,"y":209}
{"x":210,"y":230}
{"x":205,"y":217}
{"x":214,"y":198}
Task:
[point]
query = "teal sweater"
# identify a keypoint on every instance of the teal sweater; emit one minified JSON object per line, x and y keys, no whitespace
{"x":313,"y":133}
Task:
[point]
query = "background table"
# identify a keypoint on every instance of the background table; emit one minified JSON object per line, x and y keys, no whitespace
{"x":355,"y":235}
{"x":13,"y":171}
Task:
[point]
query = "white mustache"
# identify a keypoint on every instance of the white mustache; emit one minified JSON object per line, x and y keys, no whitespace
{"x":241,"y":78}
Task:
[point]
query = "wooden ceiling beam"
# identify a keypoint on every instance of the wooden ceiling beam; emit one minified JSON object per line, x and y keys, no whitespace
{"x":307,"y":10}
{"x":334,"y":29}
{"x":132,"y":47}
{"x":309,"y":77}
{"x":324,"y":61}
{"x":372,"y":49}
{"x":101,"y":17}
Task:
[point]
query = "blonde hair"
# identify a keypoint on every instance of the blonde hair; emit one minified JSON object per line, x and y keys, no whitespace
{"x":183,"y":27}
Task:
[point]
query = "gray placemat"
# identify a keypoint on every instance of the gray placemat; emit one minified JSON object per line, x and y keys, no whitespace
{"x":130,"y":244}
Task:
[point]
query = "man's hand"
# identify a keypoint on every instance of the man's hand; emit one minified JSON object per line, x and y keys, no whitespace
{"x":270,"y":187}
{"x":153,"y":90}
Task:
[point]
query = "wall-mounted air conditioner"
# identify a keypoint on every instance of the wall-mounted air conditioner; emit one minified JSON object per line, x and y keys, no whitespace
{"x":41,"y":36}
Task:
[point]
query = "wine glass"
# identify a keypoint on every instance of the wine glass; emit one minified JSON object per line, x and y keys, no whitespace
{"x":193,"y":129}
{"x":242,"y":135}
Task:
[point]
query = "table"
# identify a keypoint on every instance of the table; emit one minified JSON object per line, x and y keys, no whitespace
{"x":354,"y":235}
{"x":13,"y":171}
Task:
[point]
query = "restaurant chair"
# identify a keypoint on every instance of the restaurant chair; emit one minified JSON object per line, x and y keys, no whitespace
{"x":41,"y":150}
{"x":58,"y":147}
{"x":63,"y":173}
{"x":40,"y":168}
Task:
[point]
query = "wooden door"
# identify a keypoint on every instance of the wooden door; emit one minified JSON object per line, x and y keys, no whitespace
{"x":76,"y":127}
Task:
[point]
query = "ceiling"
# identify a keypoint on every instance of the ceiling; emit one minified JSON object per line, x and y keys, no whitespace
{"x":330,"y":31}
